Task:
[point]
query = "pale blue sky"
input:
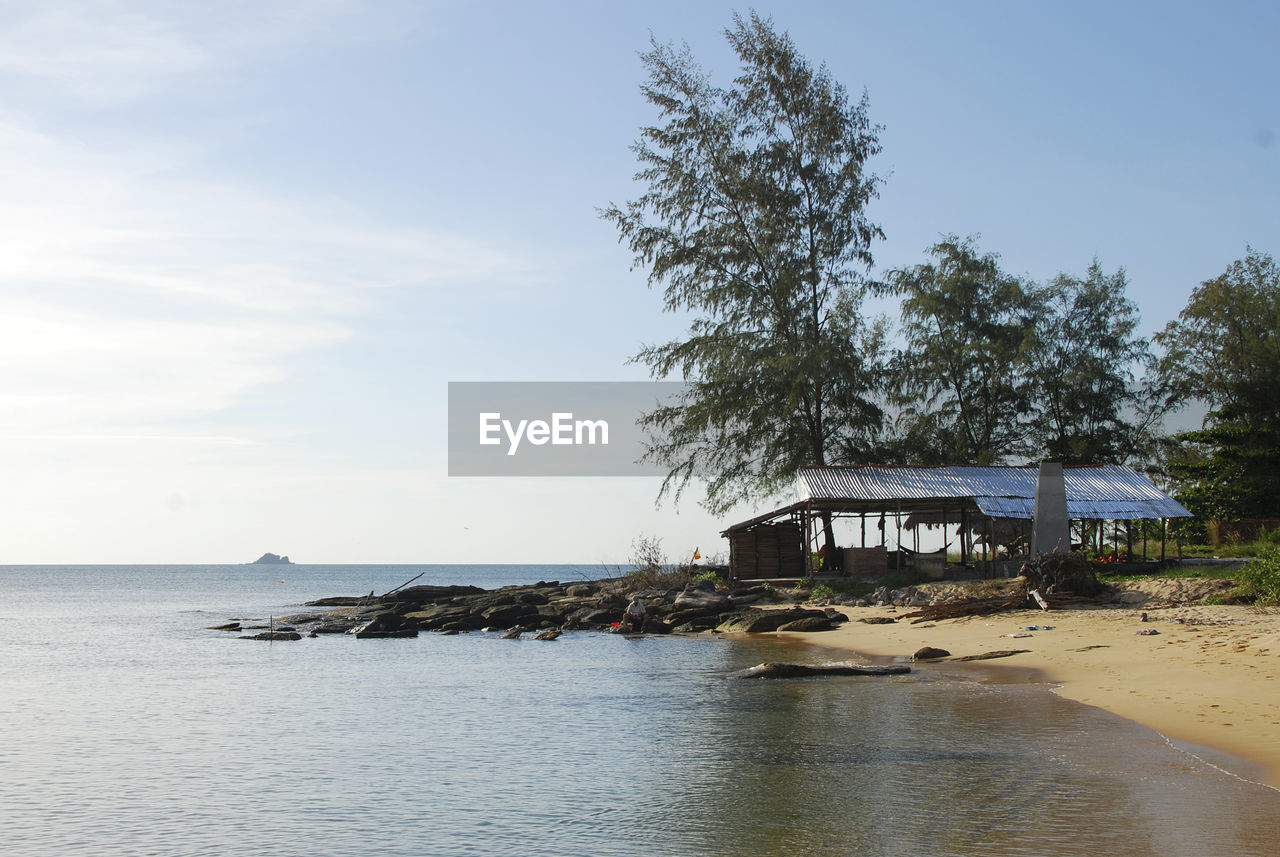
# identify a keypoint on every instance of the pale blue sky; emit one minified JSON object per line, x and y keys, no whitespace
{"x":246,"y":245}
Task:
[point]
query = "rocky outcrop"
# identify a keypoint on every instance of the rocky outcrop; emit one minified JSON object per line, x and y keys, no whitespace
{"x":273,"y":635}
{"x":755,"y":620}
{"x":929,"y":653}
{"x":551,"y":605}
{"x":272,"y":559}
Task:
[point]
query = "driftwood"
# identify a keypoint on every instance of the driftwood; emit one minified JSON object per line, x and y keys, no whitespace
{"x":775,"y":670}
{"x":986,"y":656}
{"x":1050,"y":577}
{"x":1059,"y":574}
{"x":972,"y":607}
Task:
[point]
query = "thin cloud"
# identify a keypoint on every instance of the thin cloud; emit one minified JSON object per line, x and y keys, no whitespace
{"x":104,"y":53}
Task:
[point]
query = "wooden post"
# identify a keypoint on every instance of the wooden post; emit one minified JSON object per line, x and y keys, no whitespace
{"x":898,"y":516}
{"x":1163,"y":532}
{"x":806,"y":527}
{"x":944,"y":535}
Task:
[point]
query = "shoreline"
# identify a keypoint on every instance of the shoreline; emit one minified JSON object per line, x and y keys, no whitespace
{"x":1206,"y":678}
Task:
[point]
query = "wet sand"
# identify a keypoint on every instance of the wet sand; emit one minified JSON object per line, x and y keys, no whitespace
{"x":1207,"y":677}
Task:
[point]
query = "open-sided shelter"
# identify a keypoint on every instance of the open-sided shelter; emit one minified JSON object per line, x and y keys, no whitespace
{"x":783,"y":543}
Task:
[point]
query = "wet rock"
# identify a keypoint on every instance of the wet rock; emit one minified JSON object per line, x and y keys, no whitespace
{"x":230,"y":626}
{"x":274,"y":635}
{"x":928,"y":653}
{"x":754,"y":620}
{"x":549,"y":634}
{"x":697,"y":625}
{"x":702,"y":595}
{"x":808,"y":623}
{"x":878,"y":620}
{"x":512,"y":634}
{"x":429,"y":594}
{"x":338,"y":601}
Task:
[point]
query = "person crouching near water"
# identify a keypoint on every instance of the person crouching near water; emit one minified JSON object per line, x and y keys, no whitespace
{"x":635,"y":616}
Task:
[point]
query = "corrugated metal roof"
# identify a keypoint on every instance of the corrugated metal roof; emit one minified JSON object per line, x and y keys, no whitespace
{"x":1106,"y":491}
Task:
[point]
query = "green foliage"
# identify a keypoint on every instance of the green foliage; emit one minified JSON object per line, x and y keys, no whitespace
{"x":820,"y":591}
{"x":1209,"y":572}
{"x":1224,"y":349}
{"x":1084,"y":366}
{"x":708,"y":575}
{"x":967,"y":327}
{"x":1259,"y":580}
{"x":905,"y":577}
{"x":754,"y":223}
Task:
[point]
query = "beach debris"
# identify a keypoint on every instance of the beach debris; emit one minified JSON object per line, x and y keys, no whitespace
{"x":780,"y":670}
{"x":878,"y":620}
{"x":1054,"y":573}
{"x":1146,"y":632}
{"x":968,"y":607}
{"x":1095,"y":646}
{"x":1039,"y":599}
{"x":1020,"y":634}
{"x":929,"y":653}
{"x":1038,"y":628}
{"x":986,"y":656}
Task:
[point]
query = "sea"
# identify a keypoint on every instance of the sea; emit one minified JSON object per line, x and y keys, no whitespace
{"x":128,"y":728}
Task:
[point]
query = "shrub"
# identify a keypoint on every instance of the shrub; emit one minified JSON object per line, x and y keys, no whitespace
{"x":1259,"y":580}
{"x":820,"y":591}
{"x":650,"y":569}
{"x":709,"y":575}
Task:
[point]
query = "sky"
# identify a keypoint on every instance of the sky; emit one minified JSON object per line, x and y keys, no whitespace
{"x":247,"y":245}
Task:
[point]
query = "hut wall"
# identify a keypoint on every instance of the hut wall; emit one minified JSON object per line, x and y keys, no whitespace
{"x":1241,"y":531}
{"x":767,"y":551}
{"x":866,"y":562}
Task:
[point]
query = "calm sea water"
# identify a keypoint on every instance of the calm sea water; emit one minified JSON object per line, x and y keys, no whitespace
{"x":130,"y":729}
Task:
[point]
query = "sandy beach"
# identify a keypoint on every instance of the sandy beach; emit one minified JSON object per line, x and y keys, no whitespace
{"x":1207,"y":676}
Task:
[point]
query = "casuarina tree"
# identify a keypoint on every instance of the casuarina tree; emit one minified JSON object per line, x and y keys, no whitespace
{"x":1224,"y":350}
{"x":754,"y":222}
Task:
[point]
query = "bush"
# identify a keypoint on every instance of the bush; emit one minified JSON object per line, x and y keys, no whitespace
{"x":650,"y":569}
{"x":820,"y":591}
{"x":1259,"y":580}
{"x":709,"y":575}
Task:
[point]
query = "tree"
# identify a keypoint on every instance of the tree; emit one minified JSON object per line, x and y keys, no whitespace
{"x":1084,"y":366}
{"x":1224,"y":350}
{"x":754,"y":222}
{"x":960,"y":379}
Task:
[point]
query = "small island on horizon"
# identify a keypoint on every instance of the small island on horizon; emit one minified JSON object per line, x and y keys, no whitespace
{"x":272,"y":559}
